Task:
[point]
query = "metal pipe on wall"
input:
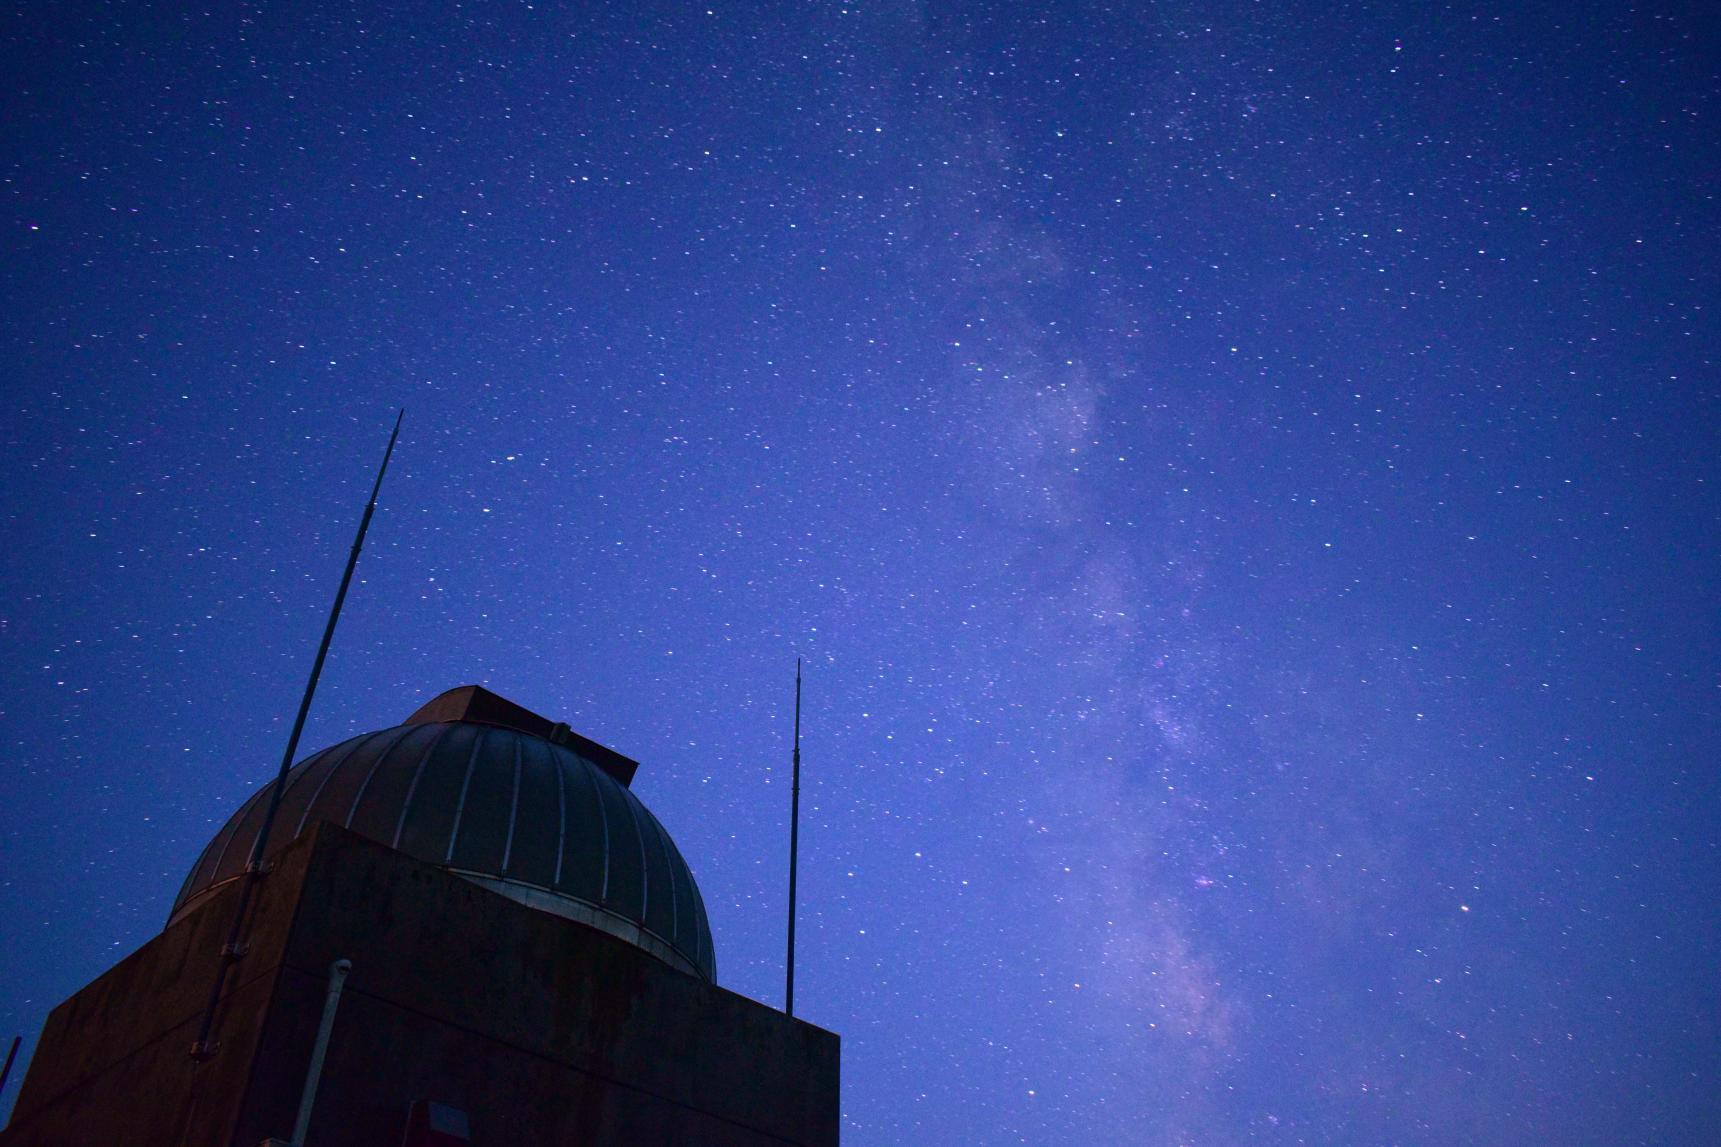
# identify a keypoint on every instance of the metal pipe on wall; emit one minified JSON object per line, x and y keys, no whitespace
{"x":314,"y":1072}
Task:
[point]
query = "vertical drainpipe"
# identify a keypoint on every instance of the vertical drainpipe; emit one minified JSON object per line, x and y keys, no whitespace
{"x":337,"y":979}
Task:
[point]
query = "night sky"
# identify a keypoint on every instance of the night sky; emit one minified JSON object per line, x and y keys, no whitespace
{"x":1243,"y":478}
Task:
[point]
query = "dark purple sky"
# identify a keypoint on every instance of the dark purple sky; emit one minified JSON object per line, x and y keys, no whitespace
{"x":1243,"y":477}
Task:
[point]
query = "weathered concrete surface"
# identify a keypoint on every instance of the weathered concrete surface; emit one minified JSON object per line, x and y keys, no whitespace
{"x":114,"y":1059}
{"x":543,"y":1030}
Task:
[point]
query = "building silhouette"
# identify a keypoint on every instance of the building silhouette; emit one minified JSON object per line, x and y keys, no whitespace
{"x":469,"y":931}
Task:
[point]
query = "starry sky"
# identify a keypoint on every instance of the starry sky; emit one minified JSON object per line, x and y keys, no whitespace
{"x":1243,"y":478}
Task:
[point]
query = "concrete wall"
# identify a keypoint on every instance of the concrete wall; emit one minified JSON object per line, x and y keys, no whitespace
{"x":114,"y":1063}
{"x":543,"y":1030}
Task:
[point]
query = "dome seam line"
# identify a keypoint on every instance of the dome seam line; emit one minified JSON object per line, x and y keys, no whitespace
{"x":364,"y":787}
{"x":353,"y":746}
{"x":412,"y":789}
{"x":465,"y":784}
{"x":513,"y":811}
{"x":561,"y":817}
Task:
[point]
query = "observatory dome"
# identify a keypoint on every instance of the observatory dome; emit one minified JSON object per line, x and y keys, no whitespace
{"x":503,"y":797}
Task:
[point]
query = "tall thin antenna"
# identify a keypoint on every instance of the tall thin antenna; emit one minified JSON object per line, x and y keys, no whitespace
{"x":254,"y":870}
{"x":794,"y":846}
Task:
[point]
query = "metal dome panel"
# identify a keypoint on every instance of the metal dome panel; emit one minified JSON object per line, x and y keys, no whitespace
{"x":537,"y":821}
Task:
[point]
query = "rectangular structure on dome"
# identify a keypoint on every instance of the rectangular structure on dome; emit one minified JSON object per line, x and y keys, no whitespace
{"x":479,"y":705}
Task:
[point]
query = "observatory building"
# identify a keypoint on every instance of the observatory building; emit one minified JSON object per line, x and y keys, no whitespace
{"x":469,"y":930}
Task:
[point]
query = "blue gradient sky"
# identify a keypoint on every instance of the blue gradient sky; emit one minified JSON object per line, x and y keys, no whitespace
{"x":1243,"y":478}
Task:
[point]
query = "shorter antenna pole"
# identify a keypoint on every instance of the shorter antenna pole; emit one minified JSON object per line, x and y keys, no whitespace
{"x":5,"y":1072}
{"x":794,"y":846}
{"x":233,"y":949}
